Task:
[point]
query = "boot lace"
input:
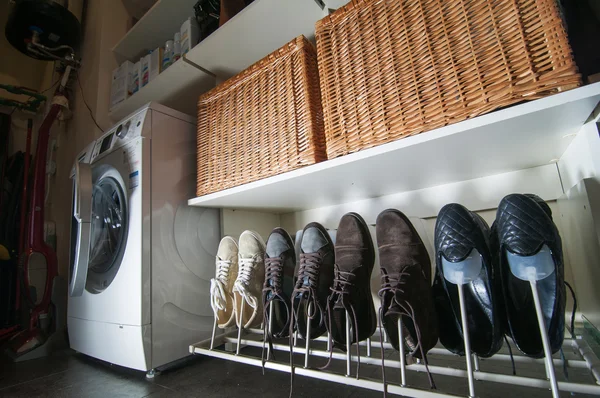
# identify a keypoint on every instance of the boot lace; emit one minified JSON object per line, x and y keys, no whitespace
{"x":241,"y":284}
{"x":343,"y":283}
{"x":306,"y":285}
{"x":393,"y":283}
{"x":272,"y":291}
{"x":218,"y":296}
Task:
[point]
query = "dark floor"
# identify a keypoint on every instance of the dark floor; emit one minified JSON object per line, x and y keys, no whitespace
{"x":68,"y":374}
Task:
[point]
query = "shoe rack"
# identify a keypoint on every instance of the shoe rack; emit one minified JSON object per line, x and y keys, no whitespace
{"x":491,"y":377}
{"x":550,"y":147}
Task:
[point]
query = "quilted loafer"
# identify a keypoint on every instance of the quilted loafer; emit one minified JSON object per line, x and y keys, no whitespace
{"x":523,"y":227}
{"x":458,"y":232}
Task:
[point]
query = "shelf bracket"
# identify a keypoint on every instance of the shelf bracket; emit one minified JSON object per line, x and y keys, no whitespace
{"x":320,"y":3}
{"x":195,"y":65}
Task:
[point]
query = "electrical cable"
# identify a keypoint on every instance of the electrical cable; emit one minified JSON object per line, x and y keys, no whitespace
{"x":512,"y":359}
{"x":51,"y":87}
{"x":572,"y":329}
{"x":85,"y":102}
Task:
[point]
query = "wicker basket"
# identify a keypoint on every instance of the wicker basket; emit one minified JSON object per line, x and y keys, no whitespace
{"x":395,"y":68}
{"x":265,"y":121}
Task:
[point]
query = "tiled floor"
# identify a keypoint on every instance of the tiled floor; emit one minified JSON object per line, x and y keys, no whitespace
{"x":68,"y":374}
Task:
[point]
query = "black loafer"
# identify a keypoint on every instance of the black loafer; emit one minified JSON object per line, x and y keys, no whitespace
{"x":523,"y":227}
{"x":458,"y":232}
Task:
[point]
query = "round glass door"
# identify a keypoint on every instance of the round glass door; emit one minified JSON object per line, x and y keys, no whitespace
{"x":108,"y":233}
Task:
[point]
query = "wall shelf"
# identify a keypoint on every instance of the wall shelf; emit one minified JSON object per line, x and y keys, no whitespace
{"x":178,"y":87}
{"x":258,"y":30}
{"x":152,"y":31}
{"x":528,"y":135}
{"x":242,"y":41}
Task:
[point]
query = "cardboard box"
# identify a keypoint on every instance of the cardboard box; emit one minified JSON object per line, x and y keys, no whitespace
{"x":136,"y":78}
{"x":190,"y":34}
{"x":121,"y":83}
{"x":151,"y":66}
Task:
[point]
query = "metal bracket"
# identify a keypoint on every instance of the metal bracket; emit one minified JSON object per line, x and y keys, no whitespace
{"x":320,"y":3}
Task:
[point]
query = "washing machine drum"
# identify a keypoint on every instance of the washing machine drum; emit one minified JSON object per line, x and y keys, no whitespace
{"x":108,"y":234}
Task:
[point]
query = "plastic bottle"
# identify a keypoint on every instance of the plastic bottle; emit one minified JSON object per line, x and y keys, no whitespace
{"x":177,"y":47}
{"x":167,"y":55}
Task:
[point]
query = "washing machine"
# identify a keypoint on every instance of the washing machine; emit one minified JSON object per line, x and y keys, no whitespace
{"x":141,"y":258}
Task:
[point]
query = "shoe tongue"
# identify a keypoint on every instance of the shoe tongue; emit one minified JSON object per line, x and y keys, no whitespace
{"x":339,"y":303}
{"x":392,"y":314}
{"x":394,"y":309}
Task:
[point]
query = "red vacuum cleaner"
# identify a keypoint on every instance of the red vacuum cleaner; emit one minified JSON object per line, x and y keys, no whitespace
{"x":47,"y":30}
{"x":34,"y":247}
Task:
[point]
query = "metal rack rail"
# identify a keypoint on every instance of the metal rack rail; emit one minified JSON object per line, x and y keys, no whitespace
{"x":579,"y":361}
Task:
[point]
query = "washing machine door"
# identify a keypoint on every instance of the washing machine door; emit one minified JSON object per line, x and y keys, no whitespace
{"x":108,"y":229}
{"x":80,"y":228}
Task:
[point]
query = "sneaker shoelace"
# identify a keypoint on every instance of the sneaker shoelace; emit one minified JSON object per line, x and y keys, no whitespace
{"x":218,"y":296}
{"x":271,"y":292}
{"x":306,"y":285}
{"x":241,"y":284}
{"x":343,"y":283}
{"x":393,"y":283}
{"x":512,"y":359}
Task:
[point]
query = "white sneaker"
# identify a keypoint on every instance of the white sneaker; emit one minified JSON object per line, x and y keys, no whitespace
{"x":221,"y":287}
{"x":247,"y":289}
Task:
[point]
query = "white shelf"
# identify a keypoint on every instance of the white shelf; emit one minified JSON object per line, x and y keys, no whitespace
{"x":335,"y":4}
{"x":258,"y":30}
{"x":157,"y":26}
{"x":520,"y":137}
{"x":178,"y":87}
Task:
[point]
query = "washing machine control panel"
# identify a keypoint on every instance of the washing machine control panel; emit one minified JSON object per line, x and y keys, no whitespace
{"x":119,"y":135}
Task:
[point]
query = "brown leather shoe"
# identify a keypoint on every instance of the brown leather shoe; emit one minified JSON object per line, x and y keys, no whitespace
{"x":351,"y":291}
{"x":405,"y":284}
